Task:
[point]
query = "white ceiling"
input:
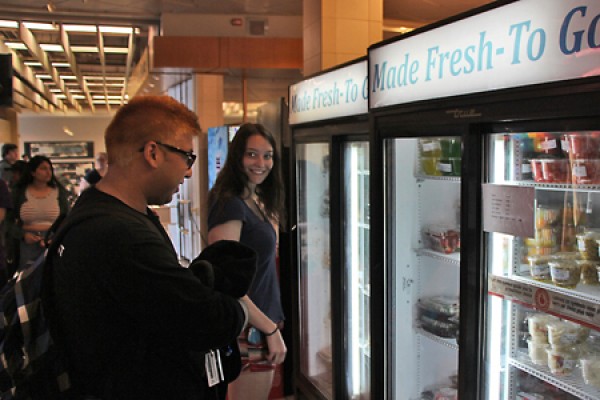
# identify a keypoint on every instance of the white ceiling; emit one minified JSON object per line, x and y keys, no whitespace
{"x":111,"y":70}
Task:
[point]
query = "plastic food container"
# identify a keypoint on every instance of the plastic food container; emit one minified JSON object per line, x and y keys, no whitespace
{"x":450,"y":147}
{"x":592,"y":343}
{"x":450,"y":166}
{"x":442,"y":239}
{"x":443,"y":309}
{"x":429,"y":165}
{"x":446,"y":330}
{"x":585,"y":171}
{"x":538,"y":326}
{"x":526,"y":173}
{"x":538,"y":352}
{"x":430,"y":147}
{"x":566,"y":255}
{"x":541,"y":250}
{"x":547,"y":143}
{"x":446,"y":393}
{"x":562,"y":360}
{"x":536,"y":170}
{"x":555,"y":170}
{"x":565,"y":273}
{"x":587,"y":244}
{"x":539,"y":268}
{"x":590,"y":369}
{"x":566,"y":334}
{"x":545,"y":237}
{"x":589,"y":271}
{"x":582,"y":145}
{"x":546,"y":216}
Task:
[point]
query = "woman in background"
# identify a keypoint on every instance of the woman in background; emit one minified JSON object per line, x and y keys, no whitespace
{"x":38,"y":201}
{"x":247,"y":205}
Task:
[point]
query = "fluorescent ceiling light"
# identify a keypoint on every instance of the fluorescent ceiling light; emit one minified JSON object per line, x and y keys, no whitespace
{"x":80,"y":28}
{"x":104,"y":29}
{"x":33,"y":63}
{"x":16,"y":45}
{"x":116,"y":102}
{"x":40,"y":26}
{"x":52,"y":47}
{"x":99,"y":97}
{"x":94,"y":49}
{"x":99,"y":78}
{"x":60,"y":64}
{"x":8,"y":24}
{"x":68,"y":77}
{"x":43,"y":76}
{"x":116,"y":29}
{"x":55,"y":91}
{"x":108,"y":84}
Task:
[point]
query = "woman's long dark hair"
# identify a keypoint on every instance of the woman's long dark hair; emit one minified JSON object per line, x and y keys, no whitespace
{"x":32,"y":165}
{"x":232,"y":179}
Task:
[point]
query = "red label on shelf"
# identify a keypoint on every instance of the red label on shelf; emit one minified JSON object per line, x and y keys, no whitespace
{"x":542,"y":299}
{"x":575,"y":308}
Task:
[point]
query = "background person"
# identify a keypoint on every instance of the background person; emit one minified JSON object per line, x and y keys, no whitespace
{"x":93,"y":176}
{"x":137,"y":324}
{"x":10,"y":154}
{"x":246,"y":204}
{"x":5,"y":206}
{"x":18,"y":169}
{"x":38,"y":200}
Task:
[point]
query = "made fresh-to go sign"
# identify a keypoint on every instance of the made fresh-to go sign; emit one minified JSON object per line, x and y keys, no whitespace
{"x":339,"y":93}
{"x":522,"y":43}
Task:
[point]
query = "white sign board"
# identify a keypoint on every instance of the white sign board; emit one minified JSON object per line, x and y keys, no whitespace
{"x":339,"y":93}
{"x":518,"y":44}
{"x":508,"y":209}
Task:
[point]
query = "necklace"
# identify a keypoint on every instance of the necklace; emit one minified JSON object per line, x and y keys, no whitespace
{"x":255,"y":207}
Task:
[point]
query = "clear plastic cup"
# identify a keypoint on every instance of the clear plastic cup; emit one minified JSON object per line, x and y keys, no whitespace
{"x":538,"y":326}
{"x":566,"y":333}
{"x":565,"y":273}
{"x":539,"y":268}
{"x":562,"y":361}
{"x":538,"y":352}
{"x":585,"y":171}
{"x":590,"y":369}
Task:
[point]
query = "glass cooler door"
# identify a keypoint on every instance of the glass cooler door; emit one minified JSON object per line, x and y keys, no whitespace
{"x":422,"y":197}
{"x":541,"y":222}
{"x":356,"y":270}
{"x":316,"y":361}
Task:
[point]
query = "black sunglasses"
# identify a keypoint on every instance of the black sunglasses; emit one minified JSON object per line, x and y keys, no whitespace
{"x":191,"y":157}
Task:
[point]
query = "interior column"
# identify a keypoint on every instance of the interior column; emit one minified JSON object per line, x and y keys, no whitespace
{"x":209,"y":107}
{"x":337,"y":31}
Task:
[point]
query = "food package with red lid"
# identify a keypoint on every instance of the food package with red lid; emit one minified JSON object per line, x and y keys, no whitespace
{"x":442,"y":239}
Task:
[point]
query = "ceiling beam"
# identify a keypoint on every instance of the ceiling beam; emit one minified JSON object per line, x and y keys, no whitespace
{"x":128,"y":64}
{"x":27,"y":98}
{"x":34,"y":48}
{"x":102,"y":64}
{"x":64,"y":38}
{"x":25,"y":75}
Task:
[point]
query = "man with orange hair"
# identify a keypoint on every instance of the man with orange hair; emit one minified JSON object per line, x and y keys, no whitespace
{"x":137,"y":325}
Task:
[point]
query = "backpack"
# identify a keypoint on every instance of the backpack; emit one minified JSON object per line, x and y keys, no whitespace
{"x":32,"y":367}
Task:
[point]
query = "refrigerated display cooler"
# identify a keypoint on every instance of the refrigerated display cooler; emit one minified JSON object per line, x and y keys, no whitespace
{"x":484,"y":261}
{"x":330,"y":152}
